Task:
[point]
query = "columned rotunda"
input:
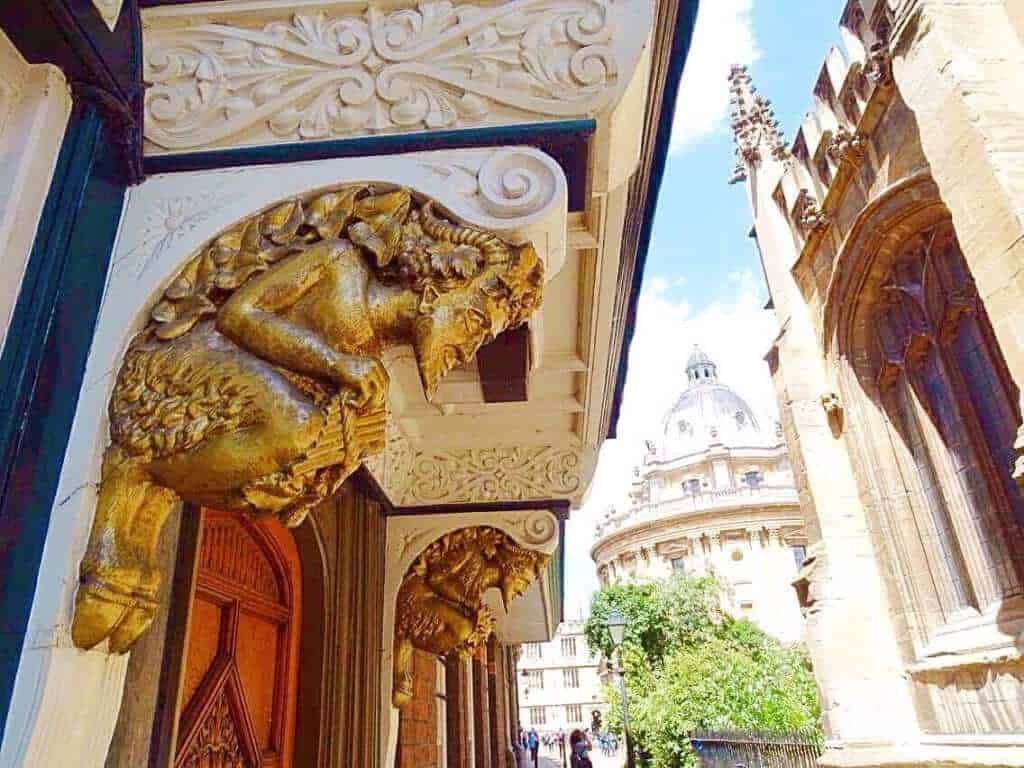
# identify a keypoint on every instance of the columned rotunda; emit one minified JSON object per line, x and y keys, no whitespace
{"x":715,"y":493}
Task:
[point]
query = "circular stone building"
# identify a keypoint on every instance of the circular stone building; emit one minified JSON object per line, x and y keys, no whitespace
{"x":715,"y":492}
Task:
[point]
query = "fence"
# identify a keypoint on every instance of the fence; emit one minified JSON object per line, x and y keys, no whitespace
{"x":753,"y":749}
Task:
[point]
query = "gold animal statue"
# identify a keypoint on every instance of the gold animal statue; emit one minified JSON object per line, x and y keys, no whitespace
{"x":257,"y":385}
{"x":440,"y":606}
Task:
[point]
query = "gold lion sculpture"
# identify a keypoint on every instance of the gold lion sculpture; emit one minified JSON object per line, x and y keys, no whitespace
{"x":257,"y":385}
{"x":440,"y":606}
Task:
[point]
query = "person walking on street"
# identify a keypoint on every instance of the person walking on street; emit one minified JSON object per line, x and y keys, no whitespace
{"x":533,"y":743}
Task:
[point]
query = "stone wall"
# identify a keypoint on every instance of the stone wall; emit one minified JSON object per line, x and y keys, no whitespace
{"x":914,"y":133}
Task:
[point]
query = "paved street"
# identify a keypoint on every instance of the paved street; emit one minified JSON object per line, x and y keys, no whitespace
{"x":599,"y":760}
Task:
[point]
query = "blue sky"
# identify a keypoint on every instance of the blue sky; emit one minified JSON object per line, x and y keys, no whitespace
{"x":703,"y":283}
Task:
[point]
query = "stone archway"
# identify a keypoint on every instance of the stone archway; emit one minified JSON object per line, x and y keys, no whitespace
{"x":165,"y":221}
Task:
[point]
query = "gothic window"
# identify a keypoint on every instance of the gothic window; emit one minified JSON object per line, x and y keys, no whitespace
{"x":569,"y":647}
{"x":571,"y":678}
{"x":951,"y":403}
{"x":799,"y":554}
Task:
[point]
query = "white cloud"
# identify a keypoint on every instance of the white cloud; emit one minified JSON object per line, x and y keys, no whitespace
{"x":723,"y":36}
{"x":736,"y":332}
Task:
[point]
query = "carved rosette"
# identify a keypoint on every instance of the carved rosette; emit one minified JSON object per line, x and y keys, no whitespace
{"x":440,"y":605}
{"x":433,"y":65}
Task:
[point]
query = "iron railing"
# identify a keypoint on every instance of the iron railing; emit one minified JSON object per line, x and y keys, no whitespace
{"x":755,"y":749}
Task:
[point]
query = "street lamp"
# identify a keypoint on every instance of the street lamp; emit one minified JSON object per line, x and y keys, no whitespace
{"x":616,"y":624}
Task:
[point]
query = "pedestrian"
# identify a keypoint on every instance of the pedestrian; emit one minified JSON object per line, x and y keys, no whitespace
{"x":533,"y":743}
{"x":580,"y":747}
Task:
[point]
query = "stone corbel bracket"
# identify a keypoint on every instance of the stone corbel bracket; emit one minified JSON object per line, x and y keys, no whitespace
{"x":410,"y":535}
{"x":232,"y":73}
{"x":165,"y":222}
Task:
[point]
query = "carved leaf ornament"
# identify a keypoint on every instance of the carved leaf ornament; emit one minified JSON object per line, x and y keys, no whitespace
{"x":440,"y":65}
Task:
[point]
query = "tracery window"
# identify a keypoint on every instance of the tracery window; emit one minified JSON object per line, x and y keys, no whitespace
{"x":951,"y":404}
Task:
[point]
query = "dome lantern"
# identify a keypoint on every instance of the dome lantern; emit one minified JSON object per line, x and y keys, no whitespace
{"x":700,"y":368}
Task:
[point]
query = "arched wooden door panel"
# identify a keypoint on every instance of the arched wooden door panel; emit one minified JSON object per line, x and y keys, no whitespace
{"x":240,"y":675}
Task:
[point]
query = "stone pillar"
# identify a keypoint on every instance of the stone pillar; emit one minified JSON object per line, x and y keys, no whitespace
{"x":481,"y":715}
{"x":959,"y":66}
{"x":495,"y":707}
{"x":458,"y":728}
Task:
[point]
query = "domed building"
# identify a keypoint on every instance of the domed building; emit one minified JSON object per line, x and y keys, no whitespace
{"x":715,"y":492}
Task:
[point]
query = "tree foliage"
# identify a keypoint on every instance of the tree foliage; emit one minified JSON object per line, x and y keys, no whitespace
{"x":688,"y":664}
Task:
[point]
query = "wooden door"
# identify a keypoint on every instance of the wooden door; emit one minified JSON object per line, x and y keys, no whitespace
{"x":238,"y":692}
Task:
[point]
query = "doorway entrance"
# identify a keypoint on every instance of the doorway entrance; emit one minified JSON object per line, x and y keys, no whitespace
{"x":237,"y":700}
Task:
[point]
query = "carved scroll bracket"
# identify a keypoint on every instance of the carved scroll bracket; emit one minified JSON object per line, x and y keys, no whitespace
{"x":518,"y":544}
{"x":233,"y":75}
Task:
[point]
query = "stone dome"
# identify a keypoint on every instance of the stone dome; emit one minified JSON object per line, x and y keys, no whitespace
{"x":708,"y":413}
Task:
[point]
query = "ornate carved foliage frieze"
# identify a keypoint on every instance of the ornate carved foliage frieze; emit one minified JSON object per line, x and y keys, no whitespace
{"x":440,"y":607}
{"x":258,"y":386}
{"x":506,"y":473}
{"x":431,"y":65}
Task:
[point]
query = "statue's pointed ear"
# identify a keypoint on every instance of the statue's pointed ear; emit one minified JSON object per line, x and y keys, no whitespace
{"x":379,"y":228}
{"x":428,"y":298}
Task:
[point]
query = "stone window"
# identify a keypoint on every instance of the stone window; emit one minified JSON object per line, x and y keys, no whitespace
{"x":571,"y":678}
{"x":538,"y":716}
{"x":574,"y":713}
{"x":752,"y":479}
{"x":569,"y":647}
{"x":535,"y":679}
{"x":678,"y":565}
{"x":532,"y":650}
{"x":692,"y":486}
{"x":951,"y":408}
{"x":799,"y":554}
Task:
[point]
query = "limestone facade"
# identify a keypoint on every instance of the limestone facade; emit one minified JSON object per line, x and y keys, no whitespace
{"x":559,"y":682}
{"x":892,"y":239}
{"x":715,"y":494}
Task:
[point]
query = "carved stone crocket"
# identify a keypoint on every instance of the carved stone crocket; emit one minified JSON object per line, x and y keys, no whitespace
{"x":258,"y":386}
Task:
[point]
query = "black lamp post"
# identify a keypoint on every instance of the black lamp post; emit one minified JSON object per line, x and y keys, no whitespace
{"x":616,"y":624}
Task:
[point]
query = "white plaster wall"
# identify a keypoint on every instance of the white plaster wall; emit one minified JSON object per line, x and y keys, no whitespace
{"x":34,"y":106}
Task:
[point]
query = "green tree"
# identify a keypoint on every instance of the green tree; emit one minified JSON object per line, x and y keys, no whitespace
{"x":690,"y":665}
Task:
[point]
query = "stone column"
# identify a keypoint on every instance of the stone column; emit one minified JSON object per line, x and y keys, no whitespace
{"x":959,"y":66}
{"x":458,"y":729}
{"x":481,"y":714}
{"x":496,"y":707}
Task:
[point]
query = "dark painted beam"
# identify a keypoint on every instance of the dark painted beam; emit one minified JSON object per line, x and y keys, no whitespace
{"x":103,"y":67}
{"x":504,"y":367}
{"x":43,"y":363}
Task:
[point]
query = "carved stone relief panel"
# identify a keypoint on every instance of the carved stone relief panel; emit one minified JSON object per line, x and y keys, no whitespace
{"x":233,"y":74}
